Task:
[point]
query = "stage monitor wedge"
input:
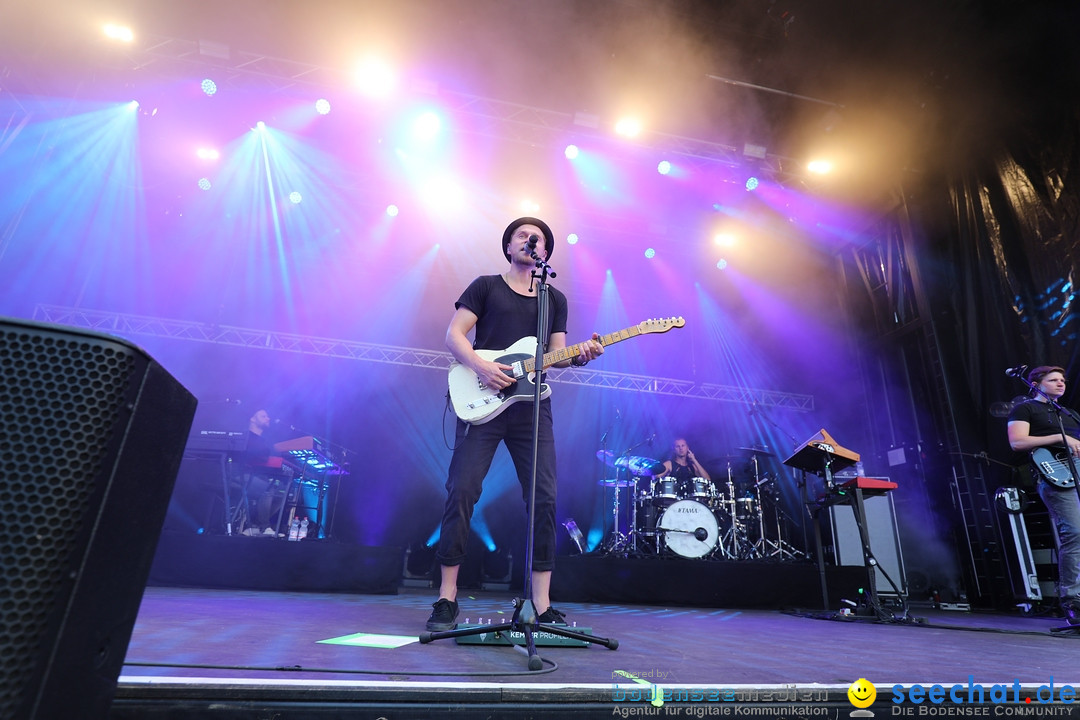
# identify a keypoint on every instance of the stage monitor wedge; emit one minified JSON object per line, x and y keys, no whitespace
{"x":92,"y":431}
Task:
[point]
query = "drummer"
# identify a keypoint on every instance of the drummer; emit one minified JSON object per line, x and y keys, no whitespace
{"x":683,"y":466}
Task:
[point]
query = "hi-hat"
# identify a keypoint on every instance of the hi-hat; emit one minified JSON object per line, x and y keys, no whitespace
{"x":615,"y":482}
{"x":758,"y":450}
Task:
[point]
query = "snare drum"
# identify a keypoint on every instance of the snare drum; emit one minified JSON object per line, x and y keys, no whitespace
{"x":702,"y":490}
{"x":745,"y":508}
{"x":665,"y":491}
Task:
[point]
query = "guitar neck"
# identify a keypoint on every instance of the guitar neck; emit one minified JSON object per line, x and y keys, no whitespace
{"x":570,"y":351}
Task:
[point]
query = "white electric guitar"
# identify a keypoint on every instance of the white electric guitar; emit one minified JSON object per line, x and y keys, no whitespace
{"x":476,"y":403}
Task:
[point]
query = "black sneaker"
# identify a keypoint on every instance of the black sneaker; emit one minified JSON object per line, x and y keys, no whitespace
{"x":551,"y":616}
{"x":444,"y":616}
{"x":1072,"y":612}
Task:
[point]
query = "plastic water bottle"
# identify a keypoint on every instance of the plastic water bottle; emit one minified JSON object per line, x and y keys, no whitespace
{"x":303,"y":529}
{"x":294,"y":529}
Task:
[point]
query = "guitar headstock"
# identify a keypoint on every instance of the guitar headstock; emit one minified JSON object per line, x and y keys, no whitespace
{"x":659,"y":325}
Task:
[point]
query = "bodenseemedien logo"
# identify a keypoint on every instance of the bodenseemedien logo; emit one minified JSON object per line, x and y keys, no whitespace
{"x":861,"y":694}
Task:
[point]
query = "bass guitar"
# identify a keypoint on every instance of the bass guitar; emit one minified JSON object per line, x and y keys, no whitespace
{"x":1051,"y":465}
{"x":476,"y":403}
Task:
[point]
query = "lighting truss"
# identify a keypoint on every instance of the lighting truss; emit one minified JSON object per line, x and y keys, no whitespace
{"x":492,"y":118}
{"x":126,"y":324}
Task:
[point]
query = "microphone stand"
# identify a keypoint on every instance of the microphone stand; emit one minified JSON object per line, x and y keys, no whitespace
{"x":525,"y":619}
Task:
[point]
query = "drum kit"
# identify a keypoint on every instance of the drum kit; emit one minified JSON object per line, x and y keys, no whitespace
{"x":695,"y":518}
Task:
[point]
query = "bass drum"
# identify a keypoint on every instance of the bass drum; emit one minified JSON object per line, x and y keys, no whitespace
{"x":689,"y":529}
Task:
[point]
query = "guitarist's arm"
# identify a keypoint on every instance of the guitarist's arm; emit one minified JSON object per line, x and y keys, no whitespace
{"x":1021,"y":439}
{"x":457,"y":342}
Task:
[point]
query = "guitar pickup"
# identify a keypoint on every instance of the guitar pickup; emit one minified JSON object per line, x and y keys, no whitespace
{"x":486,"y":400}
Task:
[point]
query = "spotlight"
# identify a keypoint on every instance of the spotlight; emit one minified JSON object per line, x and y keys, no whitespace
{"x":819,"y":167}
{"x":295,"y":197}
{"x":757,"y":152}
{"x":721,"y":264}
{"x":650,"y":253}
{"x":571,"y":152}
{"x":375,"y":78}
{"x":322,"y":106}
{"x":530,"y":208}
{"x":664,"y":167}
{"x":119,"y":32}
{"x":427,"y":126}
{"x":751,"y":183}
{"x":133,"y":105}
{"x":260,"y":126}
{"x":209,"y":86}
{"x":392,"y":210}
{"x":204,"y":184}
{"x":628,"y":127}
{"x":572,"y":239}
{"x":575,"y":534}
{"x":207,"y":154}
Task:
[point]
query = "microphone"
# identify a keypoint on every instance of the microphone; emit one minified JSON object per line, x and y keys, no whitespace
{"x":1016,"y":372}
{"x":533,"y":239}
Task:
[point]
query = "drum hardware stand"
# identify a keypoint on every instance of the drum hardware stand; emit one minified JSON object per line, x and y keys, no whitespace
{"x":732,"y":509}
{"x":619,"y":542}
{"x":616,"y":539}
{"x":526,"y":619}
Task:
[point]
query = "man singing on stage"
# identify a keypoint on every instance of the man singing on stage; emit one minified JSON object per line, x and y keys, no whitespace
{"x":502,"y":309}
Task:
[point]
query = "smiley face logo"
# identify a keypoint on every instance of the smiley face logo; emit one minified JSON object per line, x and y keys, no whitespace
{"x":862,"y":693}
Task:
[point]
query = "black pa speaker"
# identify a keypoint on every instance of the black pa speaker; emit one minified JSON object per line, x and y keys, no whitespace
{"x":92,"y":431}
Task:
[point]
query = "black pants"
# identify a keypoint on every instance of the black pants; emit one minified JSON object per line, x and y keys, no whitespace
{"x":470,"y":464}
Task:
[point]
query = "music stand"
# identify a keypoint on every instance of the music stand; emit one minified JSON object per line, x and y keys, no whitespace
{"x":525,"y":619}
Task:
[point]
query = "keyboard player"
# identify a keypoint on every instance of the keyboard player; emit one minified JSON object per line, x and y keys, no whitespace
{"x":264,"y":482}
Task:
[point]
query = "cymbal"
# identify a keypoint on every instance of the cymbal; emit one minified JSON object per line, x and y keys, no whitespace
{"x":638,"y":465}
{"x":759,"y":450}
{"x":615,"y":482}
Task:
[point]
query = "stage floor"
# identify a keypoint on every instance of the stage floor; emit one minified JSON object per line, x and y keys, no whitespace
{"x":226,"y":652}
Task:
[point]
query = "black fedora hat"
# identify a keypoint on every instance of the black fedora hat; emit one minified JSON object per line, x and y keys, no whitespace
{"x":549,"y":239}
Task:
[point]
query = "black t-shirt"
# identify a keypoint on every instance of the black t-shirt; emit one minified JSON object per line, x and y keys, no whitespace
{"x":503,"y":316}
{"x":1042,"y":419}
{"x":681,"y":473}
{"x":257,"y":451}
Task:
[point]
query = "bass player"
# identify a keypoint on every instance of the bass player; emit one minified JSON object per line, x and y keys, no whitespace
{"x":1033,"y":424}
